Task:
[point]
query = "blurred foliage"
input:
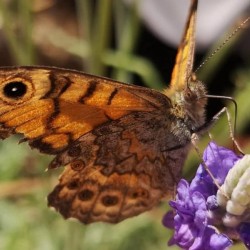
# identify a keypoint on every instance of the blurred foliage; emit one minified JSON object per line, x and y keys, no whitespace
{"x":100,"y":38}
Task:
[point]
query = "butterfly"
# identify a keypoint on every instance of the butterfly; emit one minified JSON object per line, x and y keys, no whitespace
{"x":123,"y":146}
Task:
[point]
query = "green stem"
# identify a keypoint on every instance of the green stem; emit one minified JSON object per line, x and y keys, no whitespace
{"x":27,"y":43}
{"x":85,"y":21}
{"x":127,"y":30}
{"x":101,"y":35}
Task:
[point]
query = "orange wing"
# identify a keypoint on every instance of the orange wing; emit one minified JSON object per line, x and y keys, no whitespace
{"x":53,"y":107}
{"x":185,"y":56}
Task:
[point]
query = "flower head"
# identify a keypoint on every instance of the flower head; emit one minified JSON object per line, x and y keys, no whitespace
{"x":197,"y":217}
{"x":192,"y":230}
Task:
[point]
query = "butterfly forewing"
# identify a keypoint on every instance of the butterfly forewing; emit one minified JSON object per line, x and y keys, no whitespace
{"x":59,"y":105}
{"x":184,"y":60}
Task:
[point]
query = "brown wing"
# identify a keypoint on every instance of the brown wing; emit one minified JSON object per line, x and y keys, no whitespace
{"x":53,"y":107}
{"x":119,"y":170}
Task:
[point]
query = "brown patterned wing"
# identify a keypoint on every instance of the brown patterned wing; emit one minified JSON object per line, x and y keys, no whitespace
{"x":118,"y":170}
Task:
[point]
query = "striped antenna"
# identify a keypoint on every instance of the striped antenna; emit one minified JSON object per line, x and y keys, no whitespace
{"x":240,"y":27}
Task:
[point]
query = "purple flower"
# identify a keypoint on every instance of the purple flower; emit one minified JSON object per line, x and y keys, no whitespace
{"x":195,"y":206}
{"x":219,"y":160}
{"x":244,"y":231}
{"x":192,"y":230}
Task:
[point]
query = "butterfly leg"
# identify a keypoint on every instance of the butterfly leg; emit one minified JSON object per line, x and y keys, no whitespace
{"x":206,"y":127}
{"x":232,"y":130}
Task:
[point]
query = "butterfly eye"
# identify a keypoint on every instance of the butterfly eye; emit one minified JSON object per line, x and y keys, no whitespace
{"x":15,"y":90}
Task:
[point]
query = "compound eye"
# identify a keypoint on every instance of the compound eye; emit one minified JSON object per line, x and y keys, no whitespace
{"x":15,"y":90}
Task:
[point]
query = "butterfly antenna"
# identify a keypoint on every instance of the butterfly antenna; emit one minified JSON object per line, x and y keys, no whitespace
{"x":223,"y":43}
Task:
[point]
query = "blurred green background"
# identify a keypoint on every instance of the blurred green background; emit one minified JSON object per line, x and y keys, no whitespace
{"x":103,"y":38}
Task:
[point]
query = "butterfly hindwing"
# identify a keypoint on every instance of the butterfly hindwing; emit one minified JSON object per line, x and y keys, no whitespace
{"x":122,"y":161}
{"x":90,"y":196}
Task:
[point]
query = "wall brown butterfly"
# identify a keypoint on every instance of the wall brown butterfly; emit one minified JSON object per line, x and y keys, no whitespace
{"x":123,"y":146}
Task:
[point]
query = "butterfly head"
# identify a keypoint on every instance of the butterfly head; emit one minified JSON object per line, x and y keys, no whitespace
{"x":194,"y":93}
{"x":194,"y":101}
{"x":189,"y":102}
